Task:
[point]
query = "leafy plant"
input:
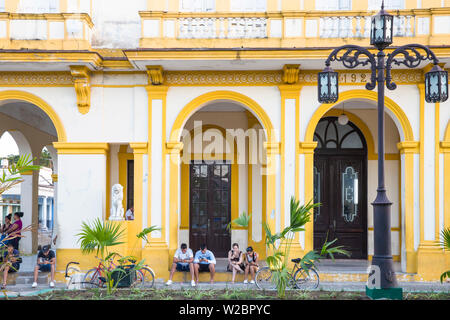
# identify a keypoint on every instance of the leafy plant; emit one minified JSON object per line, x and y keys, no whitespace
{"x":98,"y":238}
{"x":242,"y":221}
{"x":144,"y":233}
{"x":11,"y":176}
{"x":445,"y":244}
{"x":280,"y":245}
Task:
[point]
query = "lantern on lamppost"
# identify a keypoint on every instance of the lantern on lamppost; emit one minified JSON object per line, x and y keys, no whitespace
{"x":436,"y":85}
{"x":328,"y":85}
{"x":382,"y":29}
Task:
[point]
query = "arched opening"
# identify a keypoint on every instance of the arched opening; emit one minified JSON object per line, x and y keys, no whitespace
{"x":340,"y":185}
{"x":223,"y":166}
{"x":34,"y":126}
{"x":9,"y":153}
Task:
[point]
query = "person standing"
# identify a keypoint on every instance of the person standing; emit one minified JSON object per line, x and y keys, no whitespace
{"x":182,"y":261}
{"x":46,"y":262}
{"x":7,"y":223}
{"x":251,"y":264}
{"x":235,"y":261}
{"x":204,"y":261}
{"x":16,"y":229}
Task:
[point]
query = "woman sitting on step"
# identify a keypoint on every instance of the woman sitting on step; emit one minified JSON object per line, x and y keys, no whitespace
{"x":235,"y":261}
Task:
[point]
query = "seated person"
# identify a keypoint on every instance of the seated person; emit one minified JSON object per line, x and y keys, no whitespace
{"x":11,"y":263}
{"x":129,"y":215}
{"x":235,"y":261}
{"x":182,"y":261}
{"x":251,"y":264}
{"x":204,"y":261}
{"x":46,"y":262}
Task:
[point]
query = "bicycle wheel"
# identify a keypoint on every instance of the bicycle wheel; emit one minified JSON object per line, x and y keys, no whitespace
{"x":264,"y":279}
{"x":92,"y":279}
{"x":306,"y":281}
{"x":139,"y":282}
{"x":149,"y":276}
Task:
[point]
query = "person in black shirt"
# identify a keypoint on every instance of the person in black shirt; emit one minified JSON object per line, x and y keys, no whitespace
{"x":46,"y":262}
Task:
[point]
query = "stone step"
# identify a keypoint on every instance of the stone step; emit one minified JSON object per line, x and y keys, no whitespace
{"x":42,"y":279}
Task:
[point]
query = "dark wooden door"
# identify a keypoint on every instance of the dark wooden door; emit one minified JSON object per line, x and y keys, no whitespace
{"x":210,"y":206}
{"x":340,"y":185}
{"x":130,"y":184}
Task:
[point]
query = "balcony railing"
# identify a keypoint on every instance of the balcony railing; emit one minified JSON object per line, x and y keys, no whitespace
{"x":286,"y":29}
{"x":52,"y":31}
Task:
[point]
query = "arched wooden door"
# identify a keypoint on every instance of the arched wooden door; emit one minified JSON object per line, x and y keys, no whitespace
{"x":340,"y":185}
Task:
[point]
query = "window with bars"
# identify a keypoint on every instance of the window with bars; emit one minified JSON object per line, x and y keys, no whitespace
{"x":329,"y":5}
{"x":249,"y":5}
{"x":388,"y":4}
{"x":197,"y":5}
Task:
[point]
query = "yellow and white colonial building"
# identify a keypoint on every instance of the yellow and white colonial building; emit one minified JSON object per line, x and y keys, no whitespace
{"x":204,"y":109}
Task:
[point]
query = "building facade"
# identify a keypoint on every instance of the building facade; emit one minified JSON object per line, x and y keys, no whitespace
{"x":204,"y":109}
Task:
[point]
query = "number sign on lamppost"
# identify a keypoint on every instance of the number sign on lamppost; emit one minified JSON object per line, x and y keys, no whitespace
{"x":436,"y":90}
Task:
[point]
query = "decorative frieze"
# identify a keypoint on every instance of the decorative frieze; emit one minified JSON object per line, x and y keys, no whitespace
{"x":362,"y":77}
{"x":36,"y":79}
{"x":227,"y":78}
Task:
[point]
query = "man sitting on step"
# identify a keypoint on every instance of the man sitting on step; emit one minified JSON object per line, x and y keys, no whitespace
{"x":182,"y":261}
{"x":10,"y":262}
{"x":46,"y":262}
{"x":204,"y":261}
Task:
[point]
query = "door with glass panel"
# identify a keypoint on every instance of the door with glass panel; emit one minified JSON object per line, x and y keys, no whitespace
{"x":340,"y":185}
{"x":210,"y":206}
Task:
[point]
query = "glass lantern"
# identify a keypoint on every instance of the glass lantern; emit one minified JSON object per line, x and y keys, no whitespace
{"x":328,"y":86}
{"x":382,"y":29}
{"x":436,"y":85}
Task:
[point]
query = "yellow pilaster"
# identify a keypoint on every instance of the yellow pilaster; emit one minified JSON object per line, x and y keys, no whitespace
{"x":307,"y":149}
{"x":139,"y":150}
{"x":272,"y":150}
{"x":290,"y":91}
{"x":408,"y":149}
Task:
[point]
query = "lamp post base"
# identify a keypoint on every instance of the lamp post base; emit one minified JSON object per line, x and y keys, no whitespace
{"x":386,"y":294}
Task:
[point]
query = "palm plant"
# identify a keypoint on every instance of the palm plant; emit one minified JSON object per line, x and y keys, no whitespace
{"x":11,"y":176}
{"x":242,"y":221}
{"x":98,"y":238}
{"x":280,"y":244}
{"x":144,"y":233}
{"x":445,"y":244}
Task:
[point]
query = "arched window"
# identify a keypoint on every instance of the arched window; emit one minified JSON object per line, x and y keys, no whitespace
{"x":330,"y":135}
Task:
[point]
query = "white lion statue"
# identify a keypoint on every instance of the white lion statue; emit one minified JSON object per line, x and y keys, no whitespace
{"x":116,"y":203}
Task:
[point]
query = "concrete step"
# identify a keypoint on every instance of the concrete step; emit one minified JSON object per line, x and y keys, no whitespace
{"x":42,"y":279}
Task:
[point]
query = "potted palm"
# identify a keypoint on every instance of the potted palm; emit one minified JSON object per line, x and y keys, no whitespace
{"x":242,"y":221}
{"x":445,"y":244}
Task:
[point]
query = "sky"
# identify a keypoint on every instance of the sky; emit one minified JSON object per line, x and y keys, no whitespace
{"x":7,"y":145}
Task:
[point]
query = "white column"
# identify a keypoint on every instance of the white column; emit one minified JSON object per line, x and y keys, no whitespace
{"x":429,"y":175}
{"x":29,"y":206}
{"x":156,"y":165}
{"x":256,"y":203}
{"x":81,"y":194}
{"x":44,"y":213}
{"x":289,"y":157}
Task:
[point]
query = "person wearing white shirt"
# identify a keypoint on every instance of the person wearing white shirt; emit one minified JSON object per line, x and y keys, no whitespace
{"x":129,"y":215}
{"x":182,"y":261}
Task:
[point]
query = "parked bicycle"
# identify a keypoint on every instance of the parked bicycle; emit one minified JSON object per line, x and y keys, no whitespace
{"x":299,"y":278}
{"x":97,"y":275}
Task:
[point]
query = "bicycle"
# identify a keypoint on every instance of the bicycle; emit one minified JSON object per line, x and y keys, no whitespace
{"x":298,"y":278}
{"x":148,"y":274}
{"x":97,"y":276}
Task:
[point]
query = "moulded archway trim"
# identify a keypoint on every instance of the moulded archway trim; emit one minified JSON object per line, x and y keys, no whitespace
{"x":40,"y":103}
{"x":200,"y":101}
{"x":361,"y":94}
{"x":447,"y":132}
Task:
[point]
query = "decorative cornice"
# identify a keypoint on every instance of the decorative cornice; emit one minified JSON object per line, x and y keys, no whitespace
{"x":155,"y":75}
{"x":81,"y":148}
{"x":290,"y":73}
{"x":272,"y":147}
{"x":307,"y":147}
{"x":445,"y":146}
{"x":139,"y":147}
{"x":223,"y":78}
{"x":174,"y":147}
{"x":408,"y":147}
{"x":359,"y":77}
{"x":81,"y":79}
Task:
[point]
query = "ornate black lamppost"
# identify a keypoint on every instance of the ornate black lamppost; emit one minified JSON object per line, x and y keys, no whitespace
{"x":436,"y":90}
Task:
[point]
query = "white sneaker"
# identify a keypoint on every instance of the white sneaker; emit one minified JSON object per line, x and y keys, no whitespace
{"x":245,"y":281}
{"x":192,"y":283}
{"x":34,"y":285}
{"x":169,"y":282}
{"x":52,"y":284}
{"x":252,"y":282}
